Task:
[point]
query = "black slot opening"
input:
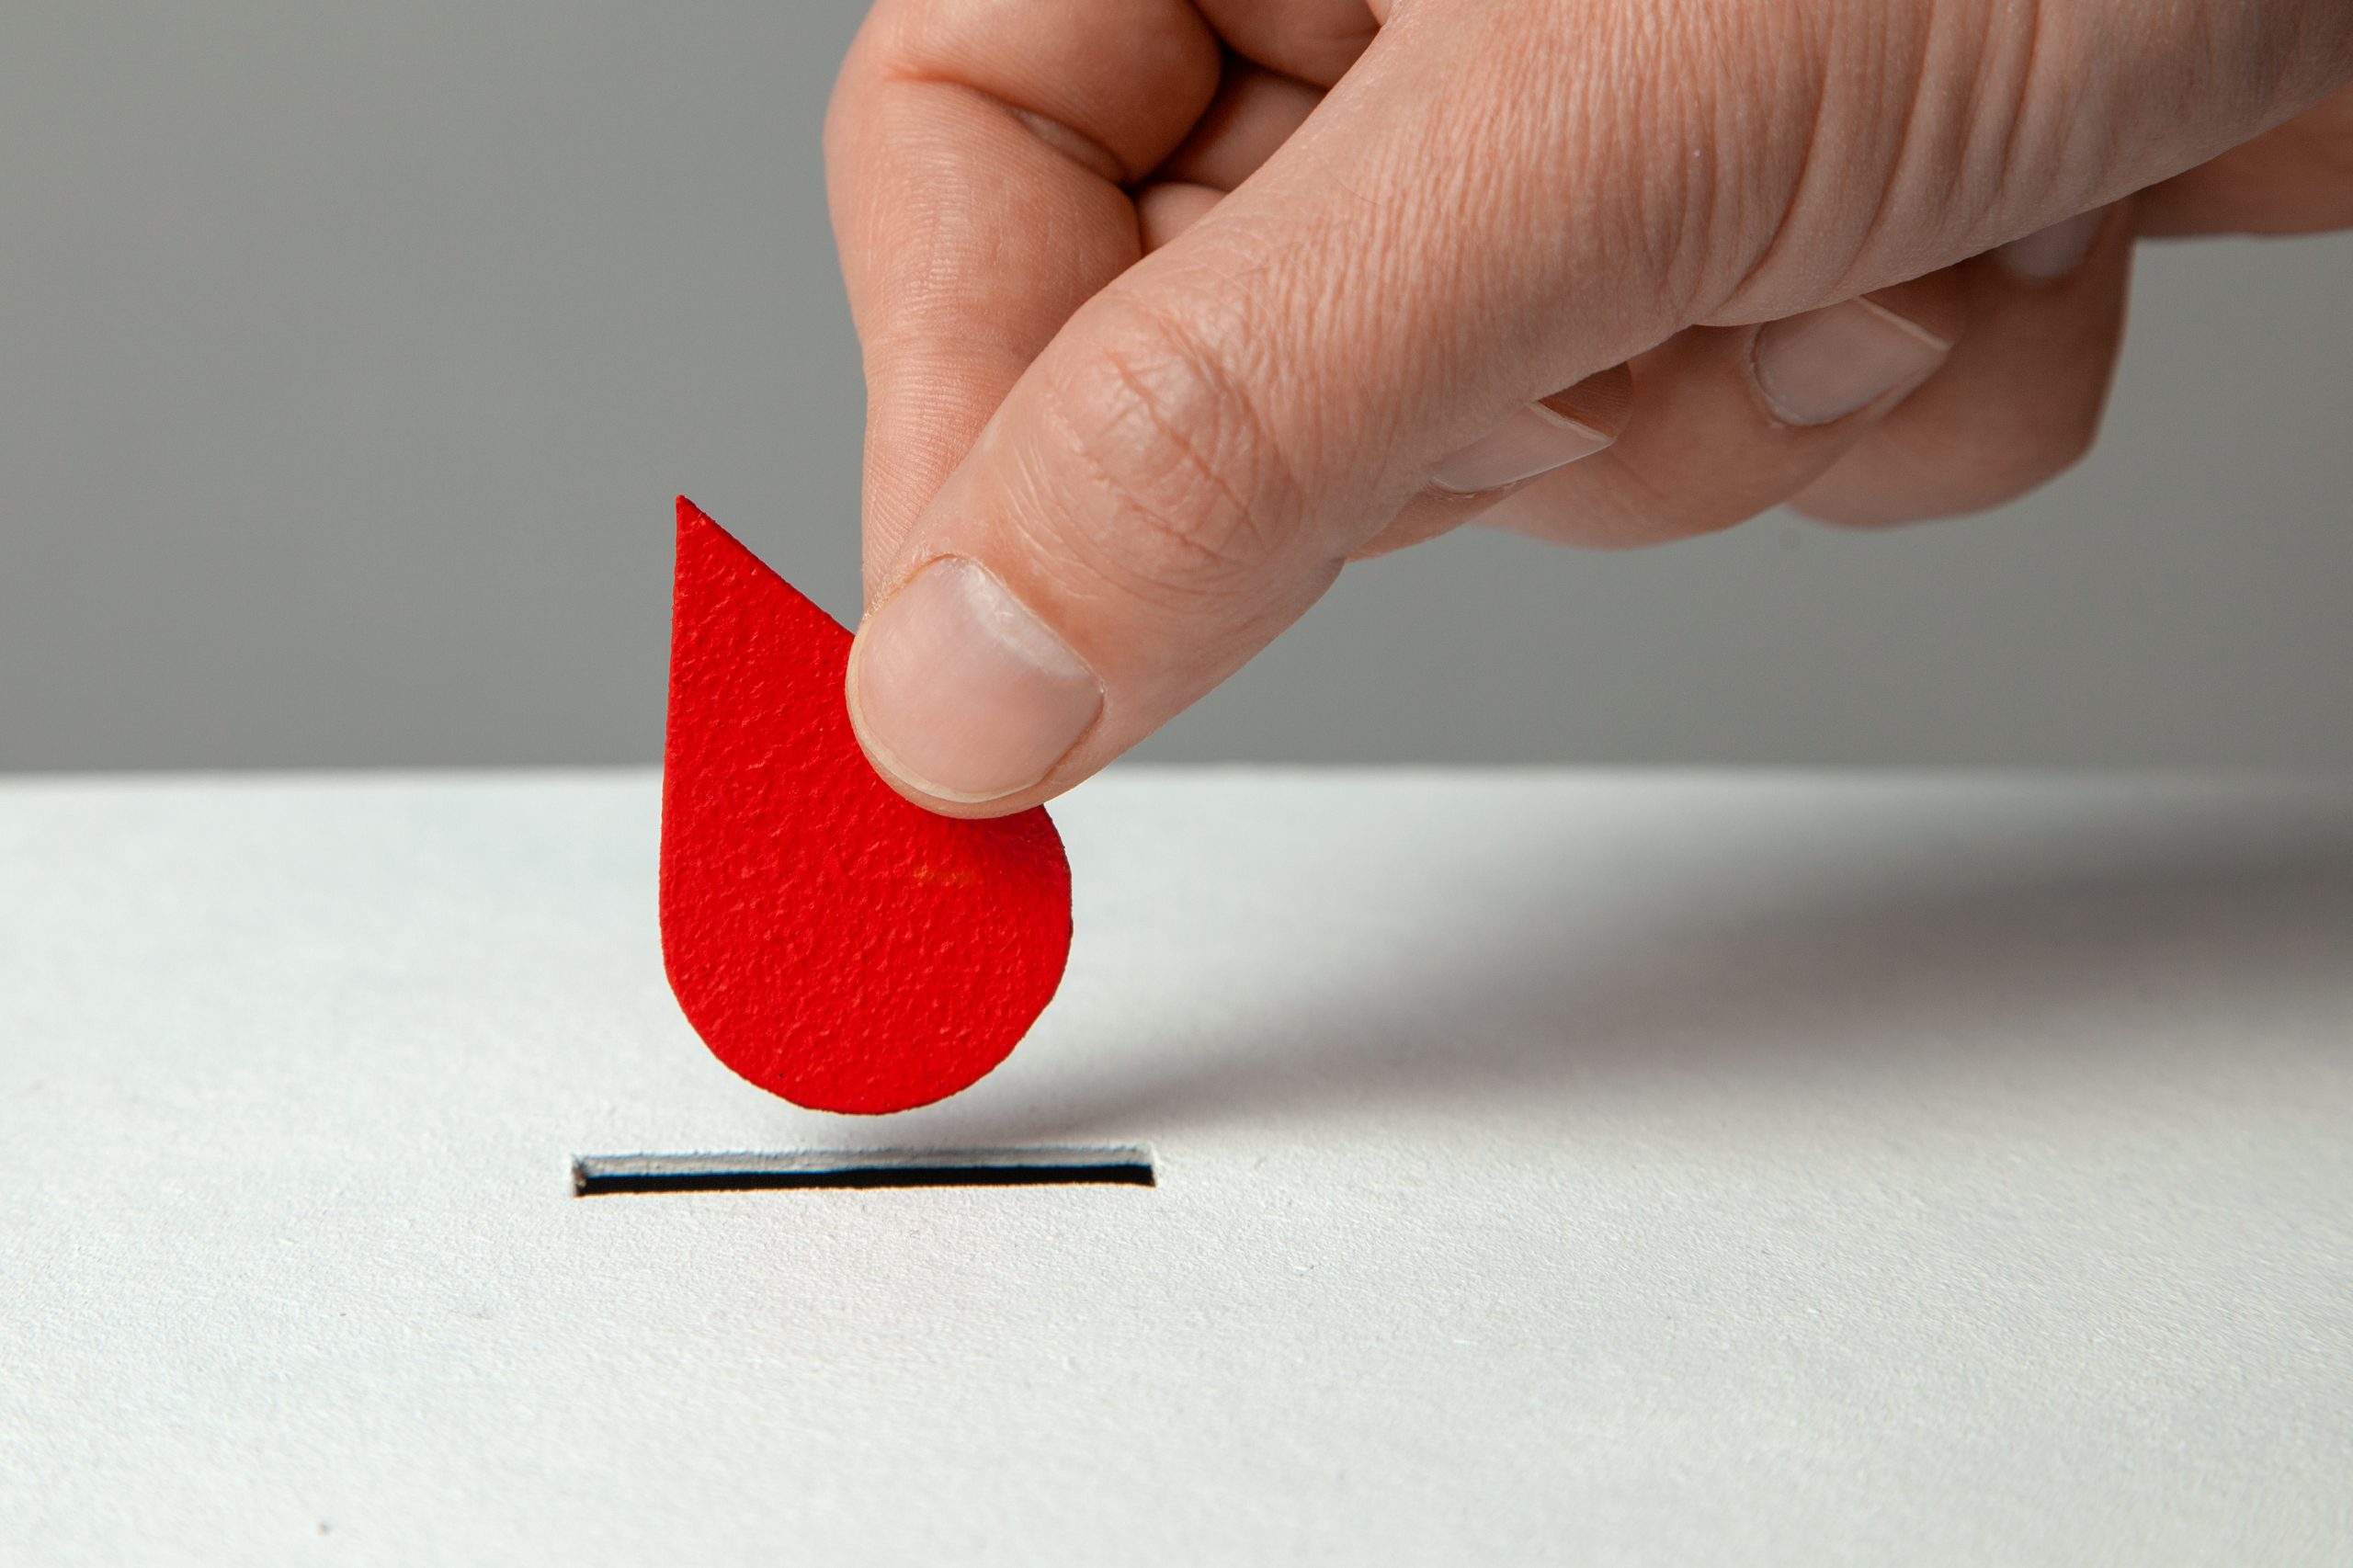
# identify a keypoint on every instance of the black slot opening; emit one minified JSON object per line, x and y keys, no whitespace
{"x":596,"y":1173}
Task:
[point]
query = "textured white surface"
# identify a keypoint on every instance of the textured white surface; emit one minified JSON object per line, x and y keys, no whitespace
{"x":1552,"y":1169}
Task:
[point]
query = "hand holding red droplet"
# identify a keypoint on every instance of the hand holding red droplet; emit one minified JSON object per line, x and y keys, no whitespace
{"x":830,"y":940}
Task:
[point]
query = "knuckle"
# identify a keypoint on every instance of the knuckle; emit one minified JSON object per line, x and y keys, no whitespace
{"x":1171,"y":482}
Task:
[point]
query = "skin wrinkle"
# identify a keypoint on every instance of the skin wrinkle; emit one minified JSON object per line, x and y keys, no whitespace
{"x":1688,"y":68}
{"x":1240,"y":291}
{"x":2207,"y":73}
{"x":1073,"y":144}
{"x":1191,"y":538}
{"x":1694,"y":228}
{"x":1236,"y":281}
{"x":929,"y":272}
{"x":2030,"y":72}
{"x":1692,"y":254}
{"x":1426,"y":186}
{"x":1809,"y":162}
{"x":1367,"y":294}
{"x":1617,"y":206}
{"x":2042,"y":122}
{"x":1485,"y":195}
{"x":1485,"y":313}
{"x":1094,"y":584}
{"x":1233,"y":516}
{"x":1400,"y":202}
{"x":1886,"y":174}
{"x":1058,"y":136}
{"x":1934,"y":188}
{"x":1250,"y":257}
{"x":1940,"y":172}
{"x":927,"y":44}
{"x":931,"y":298}
{"x":1280,"y":452}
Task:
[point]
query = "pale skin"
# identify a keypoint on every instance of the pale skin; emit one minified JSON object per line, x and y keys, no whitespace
{"x":1172,"y":308}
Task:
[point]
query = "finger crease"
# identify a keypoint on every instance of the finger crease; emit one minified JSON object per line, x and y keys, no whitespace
{"x":1188,"y":449}
{"x":1060,"y":135}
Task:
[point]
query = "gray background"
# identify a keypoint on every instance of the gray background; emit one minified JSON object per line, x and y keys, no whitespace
{"x":350,"y":356}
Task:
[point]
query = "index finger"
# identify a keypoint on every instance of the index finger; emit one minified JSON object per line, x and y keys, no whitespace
{"x":977,"y":157}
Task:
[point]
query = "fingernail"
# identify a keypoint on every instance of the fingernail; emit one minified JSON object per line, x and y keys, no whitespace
{"x":1535,"y":439}
{"x":2052,"y":253}
{"x":962,"y":692}
{"x":1826,"y":364}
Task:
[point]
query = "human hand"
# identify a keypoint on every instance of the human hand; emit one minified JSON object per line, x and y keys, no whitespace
{"x":1171,"y":307}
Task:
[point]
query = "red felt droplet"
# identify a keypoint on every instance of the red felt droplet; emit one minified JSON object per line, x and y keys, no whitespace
{"x":830,"y":941}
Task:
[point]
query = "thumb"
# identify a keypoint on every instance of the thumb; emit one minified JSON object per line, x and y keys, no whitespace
{"x":1181,"y":472}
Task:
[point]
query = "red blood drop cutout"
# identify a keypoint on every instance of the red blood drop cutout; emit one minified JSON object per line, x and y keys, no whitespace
{"x":829,"y":941}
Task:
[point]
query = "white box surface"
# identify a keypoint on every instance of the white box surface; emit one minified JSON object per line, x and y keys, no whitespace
{"x":1552,"y":1168}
